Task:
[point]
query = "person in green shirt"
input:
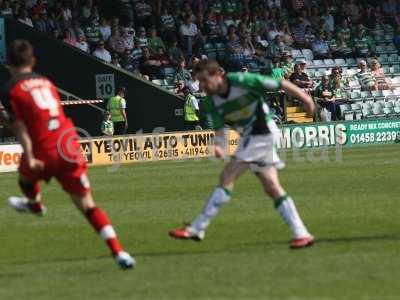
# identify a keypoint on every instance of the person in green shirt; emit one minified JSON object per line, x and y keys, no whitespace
{"x":155,"y":42}
{"x":277,"y":71}
{"x":239,"y":100}
{"x":117,"y":108}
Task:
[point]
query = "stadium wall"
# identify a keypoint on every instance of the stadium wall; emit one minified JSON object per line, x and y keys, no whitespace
{"x":148,"y":106}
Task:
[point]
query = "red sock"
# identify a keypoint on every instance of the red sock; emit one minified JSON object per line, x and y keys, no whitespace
{"x":102,"y":225}
{"x":30,"y":190}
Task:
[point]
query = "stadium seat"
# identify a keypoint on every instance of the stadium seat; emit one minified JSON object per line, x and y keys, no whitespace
{"x":396,"y":81}
{"x":297,"y":54}
{"x":329,"y":62}
{"x":157,"y":82}
{"x":380,"y":49}
{"x":355,"y":95}
{"x":354,"y":85}
{"x":366,"y":113}
{"x":377,"y":95}
{"x":346,"y":112}
{"x":357,"y":109}
{"x":340,"y":62}
{"x":383,"y":59}
{"x":366,"y":96}
{"x":169,"y":72}
{"x":220,"y":47}
{"x":308,"y":54}
{"x":351,"y":62}
{"x":378,"y":112}
{"x":210,"y":50}
{"x":318,"y":63}
{"x":391,"y":49}
{"x":394,"y":58}
{"x":387,"y":93}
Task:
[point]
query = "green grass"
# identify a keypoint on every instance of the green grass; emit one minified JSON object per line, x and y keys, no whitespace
{"x":352,"y":207}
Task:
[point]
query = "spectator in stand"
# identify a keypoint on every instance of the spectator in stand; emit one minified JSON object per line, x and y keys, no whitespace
{"x":181,"y":73}
{"x":86,"y":10}
{"x":285,"y":33}
{"x":175,"y":53}
{"x":300,"y":77}
{"x":272,"y":32}
{"x":105,"y":29}
{"x":155,"y":42}
{"x":190,"y":35}
{"x":76,"y":30}
{"x":320,"y":47}
{"x":101,"y":52}
{"x":329,"y":19}
{"x":276,"y":70}
{"x":336,"y":74}
{"x":144,"y":13}
{"x":276,"y":48}
{"x":362,"y":46}
{"x":338,"y":98}
{"x":142,"y":40}
{"x":128,"y":35}
{"x":163,"y":57}
{"x":115,"y":60}
{"x":309,"y":37}
{"x":150,"y":66}
{"x":211,"y":29}
{"x":24,"y":18}
{"x":345,"y":31}
{"x":127,"y":61}
{"x":6,"y":9}
{"x":248,"y":48}
{"x":39,"y":8}
{"x":92,"y":33}
{"x":366,"y":78}
{"x":68,"y":39}
{"x":82,"y":44}
{"x":343,"y":48}
{"x":383,"y":82}
{"x":235,"y":55}
{"x":287,"y":64}
{"x":167,"y":24}
{"x":222,"y":28}
{"x":323,"y":91}
{"x":136,"y":54}
{"x":116,"y":41}
{"x":193,"y":84}
{"x":299,"y":32}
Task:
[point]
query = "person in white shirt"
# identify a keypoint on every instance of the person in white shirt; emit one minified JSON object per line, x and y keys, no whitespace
{"x":102,"y":53}
{"x":81,"y":43}
{"x":105,"y":29}
{"x":190,"y":34}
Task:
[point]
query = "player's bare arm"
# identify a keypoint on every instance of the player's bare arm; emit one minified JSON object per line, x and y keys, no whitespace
{"x":298,"y":93}
{"x":19,"y":129}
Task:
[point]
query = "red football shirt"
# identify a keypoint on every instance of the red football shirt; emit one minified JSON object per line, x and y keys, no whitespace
{"x":35,"y":100}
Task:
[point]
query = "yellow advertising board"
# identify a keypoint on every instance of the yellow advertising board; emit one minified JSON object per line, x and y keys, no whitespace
{"x":153,"y":147}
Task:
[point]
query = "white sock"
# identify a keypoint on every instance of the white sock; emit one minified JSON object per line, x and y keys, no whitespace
{"x":289,"y":214}
{"x":219,"y":197}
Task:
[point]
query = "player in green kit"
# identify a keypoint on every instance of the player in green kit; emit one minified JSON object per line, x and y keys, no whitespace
{"x":238,"y":100}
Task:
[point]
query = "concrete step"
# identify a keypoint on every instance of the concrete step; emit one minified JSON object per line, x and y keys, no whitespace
{"x":300,"y":119}
{"x":293,"y":109}
{"x":297,"y":114}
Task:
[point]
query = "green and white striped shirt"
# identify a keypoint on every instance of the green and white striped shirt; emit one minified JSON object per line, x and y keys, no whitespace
{"x":244,"y":107}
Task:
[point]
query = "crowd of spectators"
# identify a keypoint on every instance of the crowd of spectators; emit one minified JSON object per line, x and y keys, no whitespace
{"x":151,"y":37}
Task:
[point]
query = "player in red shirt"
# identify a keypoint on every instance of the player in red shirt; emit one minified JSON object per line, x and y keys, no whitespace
{"x":33,"y":112}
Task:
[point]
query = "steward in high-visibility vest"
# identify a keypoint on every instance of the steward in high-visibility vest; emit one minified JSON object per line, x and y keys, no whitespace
{"x":116,"y":107}
{"x":191,"y":110}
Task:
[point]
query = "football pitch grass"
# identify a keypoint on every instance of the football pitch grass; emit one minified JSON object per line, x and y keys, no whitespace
{"x":351,"y":206}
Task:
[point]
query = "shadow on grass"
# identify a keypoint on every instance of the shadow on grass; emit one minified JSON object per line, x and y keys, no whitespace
{"x":231,"y":248}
